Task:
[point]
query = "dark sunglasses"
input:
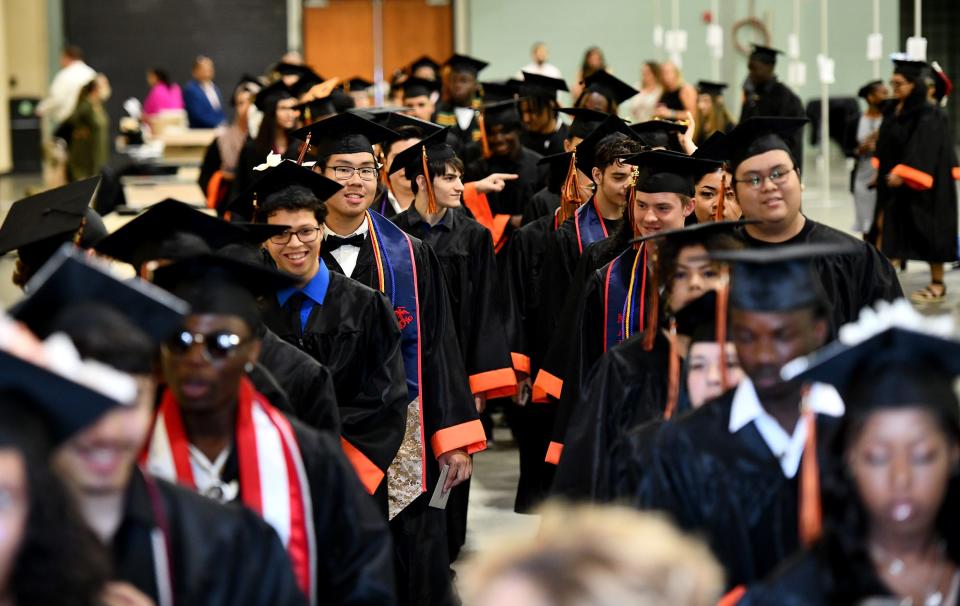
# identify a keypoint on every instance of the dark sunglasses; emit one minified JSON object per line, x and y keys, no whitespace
{"x":216,"y":345}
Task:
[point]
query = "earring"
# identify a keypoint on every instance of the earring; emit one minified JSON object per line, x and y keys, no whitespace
{"x":248,"y":367}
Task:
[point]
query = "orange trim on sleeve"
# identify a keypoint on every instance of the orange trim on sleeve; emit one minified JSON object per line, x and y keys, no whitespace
{"x":733,"y":597}
{"x":915,"y":179}
{"x":467,"y":436}
{"x":213,"y":189}
{"x":955,"y":173}
{"x":484,"y":382}
{"x":370,"y":475}
{"x":480,"y":208}
{"x":503,"y":392}
{"x":875,"y":162}
{"x":554,"y":450}
{"x":546,"y":385}
{"x":521,"y":362}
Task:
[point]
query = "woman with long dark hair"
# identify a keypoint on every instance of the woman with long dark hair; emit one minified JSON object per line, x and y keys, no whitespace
{"x":916,"y":193}
{"x":277,"y":103}
{"x":593,"y":61}
{"x":891,"y":485}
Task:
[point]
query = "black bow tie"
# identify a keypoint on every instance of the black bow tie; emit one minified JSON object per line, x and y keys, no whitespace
{"x":332,"y":242}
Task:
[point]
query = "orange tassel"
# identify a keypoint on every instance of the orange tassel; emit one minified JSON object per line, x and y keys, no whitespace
{"x":484,"y":143}
{"x":431,"y":196}
{"x":718,"y":216}
{"x":653,"y":311}
{"x":303,"y":149}
{"x":673,"y":373}
{"x":811,"y":511}
{"x":723,"y":298}
{"x":570,"y":199}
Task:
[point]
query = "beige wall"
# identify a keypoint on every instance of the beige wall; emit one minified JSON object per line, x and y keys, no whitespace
{"x":25,"y":25}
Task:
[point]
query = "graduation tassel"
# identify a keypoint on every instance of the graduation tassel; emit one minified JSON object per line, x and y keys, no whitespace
{"x":653,"y":311}
{"x":673,"y":373}
{"x":303,"y":149}
{"x":431,"y":196}
{"x":723,"y":298}
{"x":718,"y":215}
{"x":631,"y":207}
{"x":811,"y":511}
{"x":570,"y":199}
{"x":484,"y":144}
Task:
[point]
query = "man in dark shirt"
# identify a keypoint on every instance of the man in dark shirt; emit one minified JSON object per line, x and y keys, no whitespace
{"x":765,"y":95}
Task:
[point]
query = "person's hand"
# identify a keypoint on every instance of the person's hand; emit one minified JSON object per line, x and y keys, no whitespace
{"x":118,"y":593}
{"x":495,"y":182}
{"x":894,"y":180}
{"x":686,"y":140}
{"x":461,"y":468}
{"x":480,"y":401}
{"x":662,"y":111}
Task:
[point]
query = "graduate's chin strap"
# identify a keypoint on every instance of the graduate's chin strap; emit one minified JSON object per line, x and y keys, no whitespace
{"x":721,"y":201}
{"x":673,"y":372}
{"x":653,"y":310}
{"x":431,"y":196}
{"x":484,"y":143}
{"x":303,"y":149}
{"x":723,"y":300}
{"x":570,"y":199}
{"x":811,"y":511}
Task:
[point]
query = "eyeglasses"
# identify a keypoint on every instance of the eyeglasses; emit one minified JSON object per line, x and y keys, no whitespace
{"x":778,"y":176}
{"x":217,"y":346}
{"x":304,"y":234}
{"x":345,"y":173}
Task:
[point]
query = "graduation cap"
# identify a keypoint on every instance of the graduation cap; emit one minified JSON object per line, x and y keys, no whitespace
{"x":501,"y":113}
{"x":249,"y":202}
{"x":706,"y":87}
{"x":396,"y":120}
{"x":305,"y":83}
{"x":660,"y":133}
{"x":587,"y":149}
{"x":867,"y":88}
{"x":218,"y":284}
{"x":316,"y":109}
{"x":777,"y":278}
{"x":535,"y":85}
{"x":357,"y":84}
{"x":55,"y":214}
{"x":914,"y":70}
{"x":698,"y":318}
{"x":143,"y":238}
{"x":584,"y":120}
{"x":423,"y":61}
{"x":494,"y":91}
{"x":418,"y":87}
{"x":464,"y":63}
{"x":714,"y":148}
{"x":345,"y":133}
{"x":270,"y":95}
{"x":697,"y":233}
{"x":558,"y":165}
{"x":248,"y":83}
{"x":608,"y":85}
{"x":669,"y":172}
{"x":70,"y":279}
{"x":414,"y":161}
{"x":759,"y":135}
{"x":765,"y":54}
{"x":292,"y":69}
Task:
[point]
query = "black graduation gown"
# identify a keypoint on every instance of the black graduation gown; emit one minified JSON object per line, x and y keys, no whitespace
{"x":850,"y":282}
{"x":627,"y":387}
{"x":354,"y":334}
{"x":354,"y":549}
{"x":918,"y":224}
{"x":212,"y":161}
{"x":545,"y":145}
{"x":544,"y":203}
{"x":727,"y":487}
{"x":307,"y":384}
{"x":513,"y":199}
{"x":466,"y":143}
{"x":774,"y":98}
{"x":217,"y":555}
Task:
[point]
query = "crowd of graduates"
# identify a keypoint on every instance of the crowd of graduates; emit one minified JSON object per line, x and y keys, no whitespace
{"x":284,"y":404}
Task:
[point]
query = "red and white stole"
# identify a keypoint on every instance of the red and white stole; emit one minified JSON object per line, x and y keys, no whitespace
{"x":273,"y":480}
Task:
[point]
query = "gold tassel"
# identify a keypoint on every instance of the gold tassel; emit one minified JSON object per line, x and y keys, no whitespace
{"x":303,"y":149}
{"x":484,"y":143}
{"x":431,"y":196}
{"x":631,"y":205}
{"x":673,"y":373}
{"x":570,"y":199}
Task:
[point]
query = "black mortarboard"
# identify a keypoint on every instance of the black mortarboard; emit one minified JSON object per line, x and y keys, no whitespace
{"x":418,"y":87}
{"x":693,"y":234}
{"x":494,"y":91}
{"x":410,"y":159}
{"x":311,"y":111}
{"x":274,"y":179}
{"x":55,"y":214}
{"x":765,"y":54}
{"x":29,"y":392}
{"x":423,"y":61}
{"x":142,"y":239}
{"x":758,"y":135}
{"x":668,"y":172}
{"x":659,"y":133}
{"x":305,"y":83}
{"x":397,"y":120}
{"x":559,"y":165}
{"x":345,"y":133}
{"x":706,"y":87}
{"x":867,"y":88}
{"x":587,"y":149}
{"x":584,"y":120}
{"x":714,"y":148}
{"x":358,"y":84}
{"x":777,"y":278}
{"x":609,"y":86}
{"x":698,"y":318}
{"x":464,"y":63}
{"x":501,"y":113}
{"x":70,"y":279}
{"x":914,"y":70}
{"x":292,"y":69}
{"x":535,"y":85}
{"x":895,"y":367}
{"x":269,"y":95}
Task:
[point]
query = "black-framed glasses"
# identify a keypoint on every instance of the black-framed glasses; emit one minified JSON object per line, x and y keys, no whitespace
{"x":345,"y":173}
{"x":778,"y":176}
{"x":304,"y":234}
{"x":217,"y":346}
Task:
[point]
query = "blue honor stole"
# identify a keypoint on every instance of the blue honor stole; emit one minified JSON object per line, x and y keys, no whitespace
{"x":589,"y":224}
{"x":624,"y":296}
